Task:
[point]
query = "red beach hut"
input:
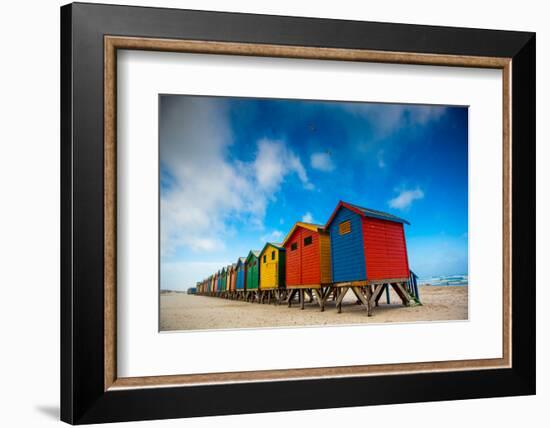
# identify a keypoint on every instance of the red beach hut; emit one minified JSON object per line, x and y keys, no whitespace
{"x":308,"y":263}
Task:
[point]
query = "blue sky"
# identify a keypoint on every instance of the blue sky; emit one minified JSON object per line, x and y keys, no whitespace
{"x":237,"y":172}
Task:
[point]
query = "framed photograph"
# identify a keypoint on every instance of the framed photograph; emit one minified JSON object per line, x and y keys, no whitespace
{"x":308,"y":213}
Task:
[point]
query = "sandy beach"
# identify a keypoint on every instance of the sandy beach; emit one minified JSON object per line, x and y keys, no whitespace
{"x":180,"y":311}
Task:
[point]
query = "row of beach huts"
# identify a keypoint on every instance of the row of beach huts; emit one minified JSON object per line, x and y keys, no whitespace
{"x":358,"y":249}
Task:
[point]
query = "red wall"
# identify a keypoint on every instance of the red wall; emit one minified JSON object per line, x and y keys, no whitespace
{"x":303,"y":265}
{"x":311,"y":259}
{"x":385,"y":249}
{"x":293,"y":269}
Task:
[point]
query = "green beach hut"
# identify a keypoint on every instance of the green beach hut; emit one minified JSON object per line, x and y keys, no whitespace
{"x":252,"y":274}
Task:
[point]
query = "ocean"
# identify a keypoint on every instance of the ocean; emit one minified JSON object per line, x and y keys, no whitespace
{"x":445,"y":280}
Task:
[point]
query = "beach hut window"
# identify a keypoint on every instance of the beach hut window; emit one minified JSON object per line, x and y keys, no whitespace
{"x":294,"y":246}
{"x":273,"y":255}
{"x":344,"y":227}
{"x":265,"y":258}
{"x":308,"y":240}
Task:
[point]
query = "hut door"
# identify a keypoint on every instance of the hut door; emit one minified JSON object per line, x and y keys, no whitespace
{"x":271,"y":273}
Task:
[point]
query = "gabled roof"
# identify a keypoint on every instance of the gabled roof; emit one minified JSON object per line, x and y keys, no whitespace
{"x":255,"y":253}
{"x":309,"y":226}
{"x":365,"y":212}
{"x":277,"y":245}
{"x":240,"y":261}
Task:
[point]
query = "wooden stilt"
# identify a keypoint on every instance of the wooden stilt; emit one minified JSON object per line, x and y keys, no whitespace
{"x":328,"y":292}
{"x":319,"y":295}
{"x":377,"y":292}
{"x":291,"y":296}
{"x":364,"y":300}
{"x":282,"y":296}
{"x":341,"y":293}
{"x":301,"y":291}
{"x":370,"y":293}
{"x":402,"y":293}
{"x":382,"y":288}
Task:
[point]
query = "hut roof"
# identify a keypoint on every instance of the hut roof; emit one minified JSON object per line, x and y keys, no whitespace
{"x":277,"y":245}
{"x":365,"y":212}
{"x":255,"y":253}
{"x":310,"y":226}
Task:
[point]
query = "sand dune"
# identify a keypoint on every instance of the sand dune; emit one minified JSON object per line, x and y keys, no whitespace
{"x":179,"y":311}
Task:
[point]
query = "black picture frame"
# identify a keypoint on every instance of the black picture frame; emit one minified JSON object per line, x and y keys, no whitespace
{"x":83,"y":398}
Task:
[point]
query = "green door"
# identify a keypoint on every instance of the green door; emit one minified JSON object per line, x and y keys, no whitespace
{"x":252,"y":274}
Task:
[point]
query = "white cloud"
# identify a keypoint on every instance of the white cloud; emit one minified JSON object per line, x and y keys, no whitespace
{"x":389,"y":118}
{"x":385,"y":121}
{"x":405,"y":198}
{"x":274,"y":161}
{"x":274,"y":236}
{"x":207,"y":192}
{"x":307,"y":218}
{"x":194,"y":136}
{"x":322,"y":161}
{"x":380,"y":157}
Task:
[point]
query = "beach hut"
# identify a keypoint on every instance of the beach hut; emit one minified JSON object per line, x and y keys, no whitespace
{"x":308,"y":266}
{"x":272,"y":271}
{"x":227,"y":280}
{"x":223,"y":281}
{"x":252,"y":275}
{"x":220,"y":281}
{"x":214,"y":283}
{"x":231,"y":280}
{"x":368,"y":253}
{"x":240,"y":282}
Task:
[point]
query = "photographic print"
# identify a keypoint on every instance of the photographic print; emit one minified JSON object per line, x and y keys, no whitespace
{"x":294,"y":213}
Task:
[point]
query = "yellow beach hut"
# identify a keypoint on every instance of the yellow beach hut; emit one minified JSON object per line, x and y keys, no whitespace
{"x":272,"y":272}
